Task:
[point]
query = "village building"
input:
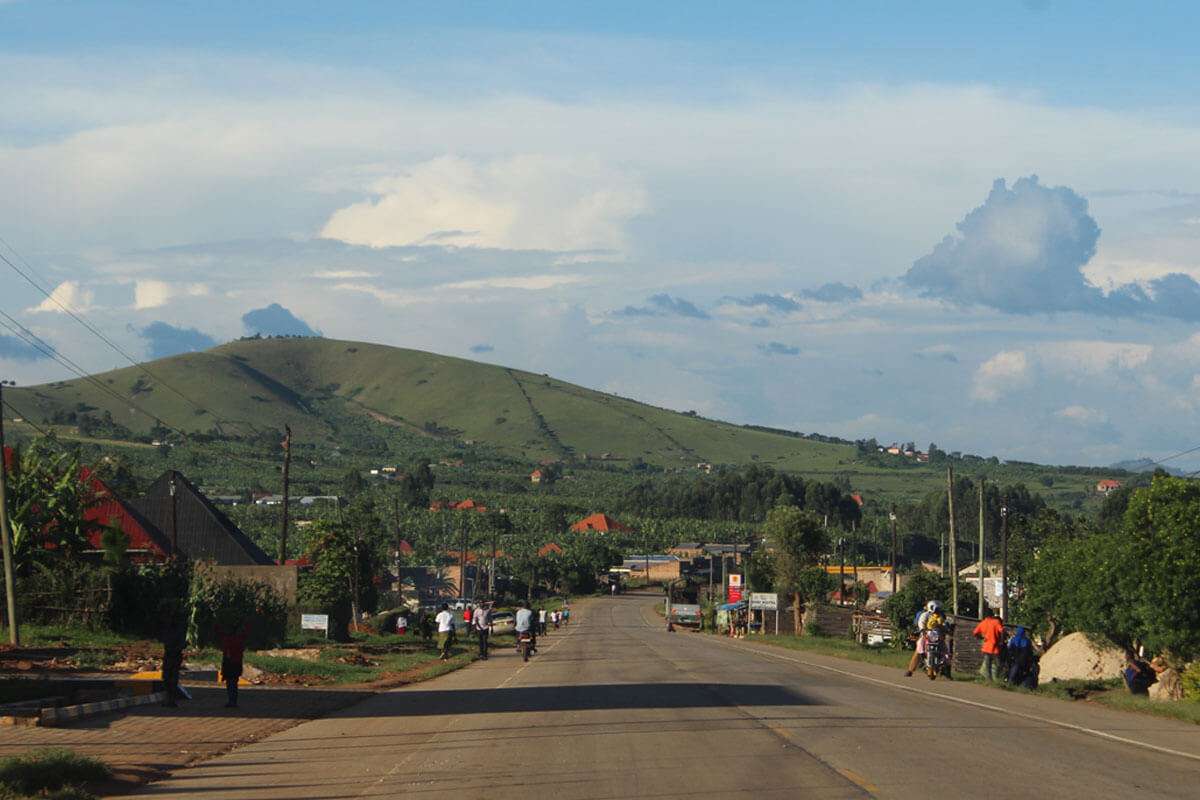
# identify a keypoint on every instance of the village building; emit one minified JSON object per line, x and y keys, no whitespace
{"x":600,"y":523}
{"x":1108,"y":485}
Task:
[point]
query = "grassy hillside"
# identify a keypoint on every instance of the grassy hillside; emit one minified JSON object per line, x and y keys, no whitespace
{"x":259,"y":385}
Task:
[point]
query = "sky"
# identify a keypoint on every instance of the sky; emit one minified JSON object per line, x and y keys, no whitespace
{"x":969,"y":224}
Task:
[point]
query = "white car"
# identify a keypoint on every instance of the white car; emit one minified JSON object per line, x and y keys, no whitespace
{"x":503,"y":622}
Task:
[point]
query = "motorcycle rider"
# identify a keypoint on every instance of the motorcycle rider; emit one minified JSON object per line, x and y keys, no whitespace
{"x":932,"y":612}
{"x":523,"y":623}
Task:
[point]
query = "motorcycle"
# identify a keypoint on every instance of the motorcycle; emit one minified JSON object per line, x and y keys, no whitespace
{"x":524,"y":644}
{"x":935,"y":653}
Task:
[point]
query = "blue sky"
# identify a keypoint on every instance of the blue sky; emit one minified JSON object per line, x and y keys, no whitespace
{"x":644,"y":198}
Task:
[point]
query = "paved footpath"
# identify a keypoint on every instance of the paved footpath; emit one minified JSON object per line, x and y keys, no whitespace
{"x":617,"y":707}
{"x":149,"y":742}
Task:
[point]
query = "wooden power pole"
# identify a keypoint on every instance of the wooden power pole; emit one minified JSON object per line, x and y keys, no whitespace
{"x":952,"y":543}
{"x":1004,"y":561}
{"x":892,"y":518}
{"x":10,"y":594}
{"x":287,"y":465}
{"x":981,"y":544}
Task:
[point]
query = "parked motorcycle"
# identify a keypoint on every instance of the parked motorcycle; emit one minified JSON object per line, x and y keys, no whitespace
{"x":935,"y":653}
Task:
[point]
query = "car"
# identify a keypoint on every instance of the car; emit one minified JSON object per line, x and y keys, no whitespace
{"x":503,"y":622}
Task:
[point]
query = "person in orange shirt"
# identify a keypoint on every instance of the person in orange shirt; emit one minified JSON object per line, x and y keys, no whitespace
{"x":991,"y":630}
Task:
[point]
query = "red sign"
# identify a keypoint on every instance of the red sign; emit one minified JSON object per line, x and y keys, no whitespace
{"x":734,"y":594}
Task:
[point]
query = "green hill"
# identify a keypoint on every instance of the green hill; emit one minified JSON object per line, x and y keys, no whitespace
{"x":256,"y":386}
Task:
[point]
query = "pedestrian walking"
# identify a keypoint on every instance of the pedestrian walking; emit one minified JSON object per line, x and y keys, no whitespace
{"x":991,"y":631}
{"x":542,"y":621}
{"x":557,"y":617}
{"x":402,"y":624}
{"x":445,"y":631}
{"x":482,"y":622}
{"x":566,"y":615}
{"x":174,"y":639}
{"x":233,"y":650}
{"x":1020,"y":657}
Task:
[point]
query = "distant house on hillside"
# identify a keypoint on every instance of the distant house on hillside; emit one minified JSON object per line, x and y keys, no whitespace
{"x":536,"y":476}
{"x":460,"y":505}
{"x":1107,"y":485}
{"x":204,"y":532}
{"x":600,"y":523}
{"x":857,"y":498}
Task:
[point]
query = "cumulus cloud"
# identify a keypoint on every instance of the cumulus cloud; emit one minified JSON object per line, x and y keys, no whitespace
{"x":155,"y":294}
{"x":664,"y":305}
{"x":482,"y":348}
{"x":1082,"y":415}
{"x":1002,"y":373}
{"x":529,"y":202}
{"x":163,"y":339}
{"x":15,"y":349}
{"x":68,"y":293}
{"x":275,"y":320}
{"x":779,"y":303}
{"x":778,"y":349}
{"x":1024,"y":251}
{"x":834,"y":293}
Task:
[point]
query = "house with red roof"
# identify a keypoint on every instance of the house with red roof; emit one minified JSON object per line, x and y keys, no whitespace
{"x":461,"y":505}
{"x":1107,"y":485}
{"x":600,"y":523}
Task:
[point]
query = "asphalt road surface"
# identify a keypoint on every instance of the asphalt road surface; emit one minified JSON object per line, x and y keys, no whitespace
{"x":616,"y":707}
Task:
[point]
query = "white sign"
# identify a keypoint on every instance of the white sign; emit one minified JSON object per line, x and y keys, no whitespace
{"x":764,"y":601}
{"x":735,"y":579}
{"x":314,"y":622}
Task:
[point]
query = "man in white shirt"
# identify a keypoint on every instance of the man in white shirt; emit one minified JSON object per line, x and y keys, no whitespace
{"x":542,"y":622}
{"x":481,"y":621}
{"x":445,"y":623}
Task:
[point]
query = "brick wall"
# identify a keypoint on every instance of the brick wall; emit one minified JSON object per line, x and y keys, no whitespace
{"x":968,"y":658}
{"x":281,"y":579}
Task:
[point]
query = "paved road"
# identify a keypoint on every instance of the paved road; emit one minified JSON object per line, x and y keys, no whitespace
{"x":616,"y":707}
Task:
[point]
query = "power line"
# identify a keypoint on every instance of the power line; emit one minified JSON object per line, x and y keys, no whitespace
{"x":1180,"y":454}
{"x":94,"y":330}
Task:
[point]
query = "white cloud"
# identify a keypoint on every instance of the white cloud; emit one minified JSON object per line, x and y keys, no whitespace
{"x":1093,"y":358}
{"x":149,"y":294}
{"x":1082,"y":415}
{"x":68,"y":293}
{"x":530,"y":202}
{"x":343,"y":274}
{"x":1001,"y":374}
{"x":526,"y":282}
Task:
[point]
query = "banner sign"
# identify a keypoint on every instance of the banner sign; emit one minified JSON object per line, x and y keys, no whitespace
{"x":764,"y":601}
{"x":735,"y":588}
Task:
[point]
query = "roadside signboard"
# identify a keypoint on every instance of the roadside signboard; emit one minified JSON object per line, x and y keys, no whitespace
{"x":764,"y":601}
{"x":315,"y":622}
{"x":735,"y":588}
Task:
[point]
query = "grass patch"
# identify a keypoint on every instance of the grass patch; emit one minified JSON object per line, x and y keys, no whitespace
{"x":69,"y":636}
{"x":384,"y":656}
{"x":840,"y":648}
{"x":1184,"y":710}
{"x":53,"y":770}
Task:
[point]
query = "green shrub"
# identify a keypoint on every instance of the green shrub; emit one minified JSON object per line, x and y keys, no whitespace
{"x":139,"y":591}
{"x":225,"y":601}
{"x":50,"y":770}
{"x":1190,"y":678}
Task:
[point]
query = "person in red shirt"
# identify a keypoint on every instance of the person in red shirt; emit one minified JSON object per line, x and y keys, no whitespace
{"x":233,"y":649}
{"x":991,"y":630}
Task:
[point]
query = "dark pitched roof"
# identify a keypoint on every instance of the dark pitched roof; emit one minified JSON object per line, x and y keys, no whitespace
{"x":205,"y":533}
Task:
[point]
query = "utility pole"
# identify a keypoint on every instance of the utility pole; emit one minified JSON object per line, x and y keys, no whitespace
{"x":1004,"y":561}
{"x":952,"y":545}
{"x":892,"y":519}
{"x":174,"y":515}
{"x":462,"y":562}
{"x":842,"y":571}
{"x":981,"y":545}
{"x":10,"y":594}
{"x":287,"y":465}
{"x":396,"y":521}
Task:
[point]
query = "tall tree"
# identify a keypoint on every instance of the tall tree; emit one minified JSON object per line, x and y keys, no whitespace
{"x":799,"y":539}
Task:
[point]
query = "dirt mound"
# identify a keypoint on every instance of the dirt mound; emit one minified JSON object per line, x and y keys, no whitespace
{"x":1074,"y":657}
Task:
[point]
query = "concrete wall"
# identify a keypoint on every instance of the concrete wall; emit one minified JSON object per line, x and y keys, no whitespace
{"x":282,"y":579}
